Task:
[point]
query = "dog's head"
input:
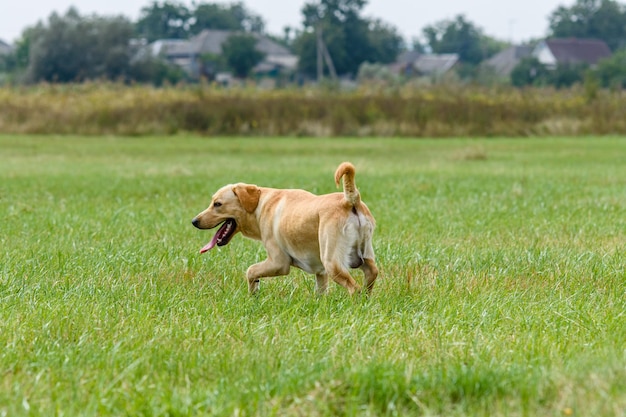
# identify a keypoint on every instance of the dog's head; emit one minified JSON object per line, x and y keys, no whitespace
{"x":231,"y":206}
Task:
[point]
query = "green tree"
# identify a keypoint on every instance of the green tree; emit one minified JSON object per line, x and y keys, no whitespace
{"x":566,"y":75}
{"x":349,"y":38}
{"x":211,"y":64}
{"x":241,"y":55}
{"x":529,"y":71}
{"x":21,"y":52}
{"x":76,"y":48}
{"x":612,"y":71}
{"x":418,"y":45}
{"x":17,"y":62}
{"x":384,"y":41}
{"x":597,"y":19}
{"x":150,"y":69}
{"x":233,"y":17}
{"x":172,"y":20}
{"x":167,"y":20}
{"x":462,"y":37}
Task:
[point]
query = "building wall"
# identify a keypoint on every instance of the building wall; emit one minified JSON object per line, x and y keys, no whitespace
{"x":544,"y":55}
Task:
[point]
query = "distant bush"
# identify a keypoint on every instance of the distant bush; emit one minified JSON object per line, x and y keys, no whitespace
{"x":437,"y":111}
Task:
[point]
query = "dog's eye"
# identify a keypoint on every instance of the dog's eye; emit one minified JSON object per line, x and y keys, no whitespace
{"x":217,"y":204}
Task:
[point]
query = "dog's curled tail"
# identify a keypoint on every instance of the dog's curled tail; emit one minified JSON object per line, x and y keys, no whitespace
{"x":346,"y":171}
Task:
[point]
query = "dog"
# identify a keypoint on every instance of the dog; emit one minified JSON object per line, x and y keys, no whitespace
{"x":325,"y":235}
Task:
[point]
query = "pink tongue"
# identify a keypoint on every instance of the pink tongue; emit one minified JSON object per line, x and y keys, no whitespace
{"x":209,"y":245}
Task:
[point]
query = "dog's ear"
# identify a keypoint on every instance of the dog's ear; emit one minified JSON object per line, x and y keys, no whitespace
{"x":248,"y":196}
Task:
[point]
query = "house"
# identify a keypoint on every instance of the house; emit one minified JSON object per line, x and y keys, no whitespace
{"x":187,"y":53}
{"x":549,"y":52}
{"x":404,"y":63}
{"x":435,"y":64}
{"x":176,"y":51}
{"x":412,"y":63}
{"x":552,"y":52}
{"x":5,"y":48}
{"x":506,"y":60}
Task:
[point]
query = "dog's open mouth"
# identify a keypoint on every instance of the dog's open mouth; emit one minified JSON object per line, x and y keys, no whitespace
{"x":223,"y":235}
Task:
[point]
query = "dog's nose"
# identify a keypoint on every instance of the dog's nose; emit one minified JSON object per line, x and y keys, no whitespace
{"x":195,"y":221}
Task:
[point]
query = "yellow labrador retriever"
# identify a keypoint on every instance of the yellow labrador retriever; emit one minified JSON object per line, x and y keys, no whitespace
{"x":323,"y":235}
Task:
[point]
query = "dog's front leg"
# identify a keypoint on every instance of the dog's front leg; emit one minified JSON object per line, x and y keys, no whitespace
{"x":321,"y":284}
{"x":267,"y":268}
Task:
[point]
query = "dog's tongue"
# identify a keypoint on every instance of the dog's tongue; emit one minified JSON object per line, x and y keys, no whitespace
{"x":224,"y":232}
{"x":209,"y":245}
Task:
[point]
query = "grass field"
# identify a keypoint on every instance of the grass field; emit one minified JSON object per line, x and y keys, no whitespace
{"x":502,"y":289}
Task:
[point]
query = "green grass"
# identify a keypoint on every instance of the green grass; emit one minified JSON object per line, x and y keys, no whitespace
{"x":502,"y":289}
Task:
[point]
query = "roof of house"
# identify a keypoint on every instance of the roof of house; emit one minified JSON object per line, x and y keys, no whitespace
{"x":407,"y":57}
{"x":171,"y":47}
{"x":210,"y":41}
{"x":504,"y":61}
{"x":572,"y":50}
{"x":435,"y":64}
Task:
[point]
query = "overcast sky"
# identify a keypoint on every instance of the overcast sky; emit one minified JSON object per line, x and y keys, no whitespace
{"x":516,"y":20}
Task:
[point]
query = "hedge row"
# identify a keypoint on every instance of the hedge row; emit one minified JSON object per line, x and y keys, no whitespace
{"x":97,"y":109}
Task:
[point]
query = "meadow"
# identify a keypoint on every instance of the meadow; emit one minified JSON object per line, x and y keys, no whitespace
{"x":370,"y":111}
{"x":502,"y":289}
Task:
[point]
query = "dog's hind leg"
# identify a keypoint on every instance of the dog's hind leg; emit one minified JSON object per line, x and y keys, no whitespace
{"x":335,"y":256}
{"x":342,"y":277}
{"x":371,"y":273}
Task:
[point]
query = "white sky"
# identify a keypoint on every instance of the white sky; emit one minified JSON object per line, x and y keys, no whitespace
{"x":515,"y":20}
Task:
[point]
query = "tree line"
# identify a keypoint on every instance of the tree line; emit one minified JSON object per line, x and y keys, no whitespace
{"x":72,"y":47}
